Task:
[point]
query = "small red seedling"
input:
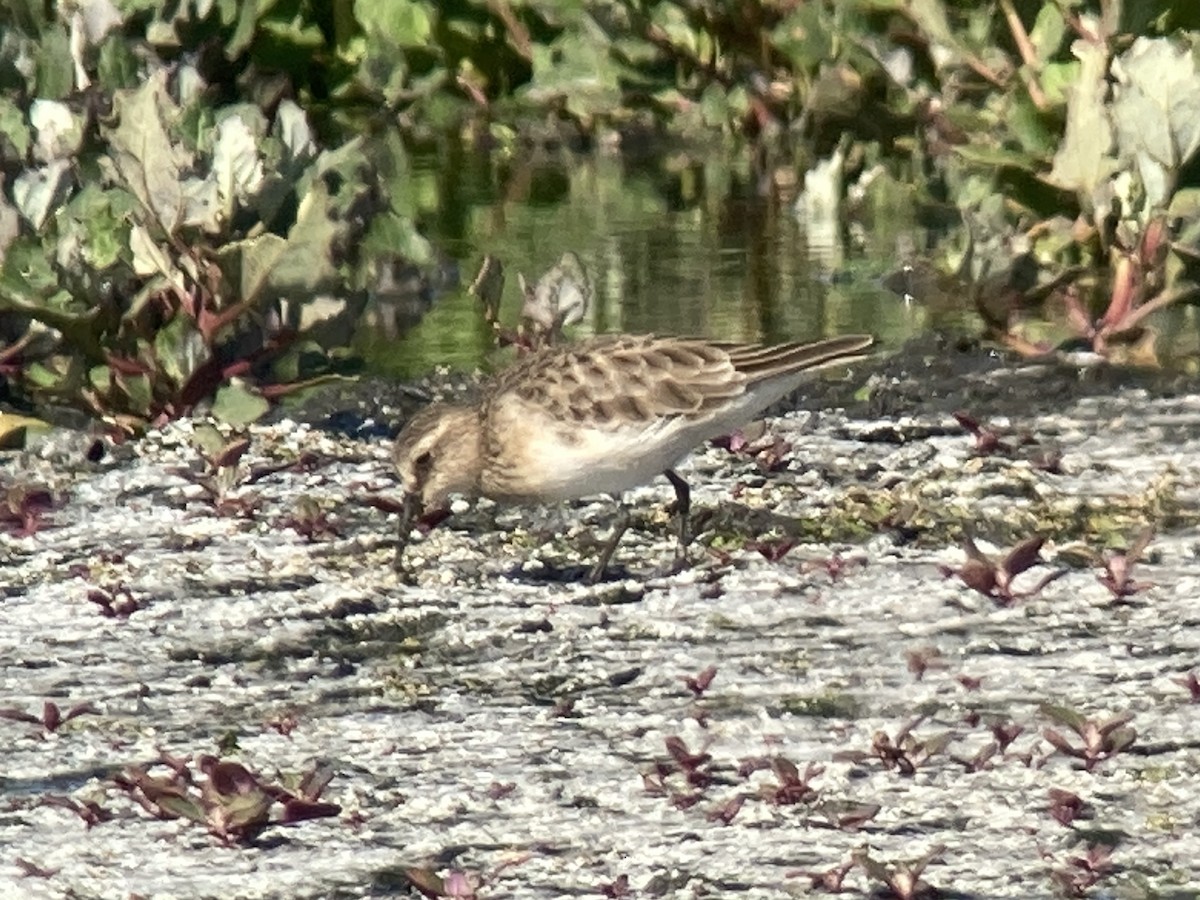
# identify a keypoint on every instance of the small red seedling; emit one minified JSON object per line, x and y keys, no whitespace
{"x":995,"y":579}
{"x":1101,"y":738}
{"x":1118,"y":568}
{"x":52,"y":717}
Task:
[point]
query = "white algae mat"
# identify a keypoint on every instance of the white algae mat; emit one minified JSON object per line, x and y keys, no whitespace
{"x":499,"y":724}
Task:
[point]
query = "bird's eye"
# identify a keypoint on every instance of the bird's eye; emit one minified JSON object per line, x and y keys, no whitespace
{"x":423,"y":462}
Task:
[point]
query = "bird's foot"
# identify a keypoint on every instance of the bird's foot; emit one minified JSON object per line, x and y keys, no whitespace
{"x":680,"y":563}
{"x":400,"y":565}
{"x":606,"y":552}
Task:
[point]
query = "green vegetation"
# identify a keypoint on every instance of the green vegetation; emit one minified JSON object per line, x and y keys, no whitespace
{"x":201,"y":199}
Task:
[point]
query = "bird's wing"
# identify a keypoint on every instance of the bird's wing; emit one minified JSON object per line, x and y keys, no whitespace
{"x":609,"y":382}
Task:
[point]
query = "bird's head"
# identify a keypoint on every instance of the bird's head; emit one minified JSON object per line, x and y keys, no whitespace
{"x":438,"y":454}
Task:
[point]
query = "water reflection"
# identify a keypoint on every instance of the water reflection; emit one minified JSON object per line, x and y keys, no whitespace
{"x":692,"y":249}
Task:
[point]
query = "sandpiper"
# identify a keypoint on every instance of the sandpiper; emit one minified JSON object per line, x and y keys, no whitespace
{"x":599,"y":416}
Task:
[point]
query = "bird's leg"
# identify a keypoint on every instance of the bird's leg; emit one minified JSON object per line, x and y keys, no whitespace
{"x":408,"y":518}
{"x":606,"y":553}
{"x":683,"y":509}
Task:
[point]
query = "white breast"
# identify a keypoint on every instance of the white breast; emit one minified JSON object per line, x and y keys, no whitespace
{"x":532,"y":457}
{"x":600,"y":461}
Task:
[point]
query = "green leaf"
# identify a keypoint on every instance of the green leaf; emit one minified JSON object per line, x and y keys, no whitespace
{"x":248,"y":265}
{"x":15,"y":429}
{"x":402,"y":23}
{"x":58,"y":132}
{"x":247,"y":21}
{"x":1156,"y":112}
{"x":236,"y":164}
{"x":26,"y":274}
{"x":307,"y":262}
{"x":42,"y":376}
{"x":181,"y":807}
{"x":1064,"y":715}
{"x":236,"y":404}
{"x":292,"y":128}
{"x":1121,"y":739}
{"x":29,"y":285}
{"x":1058,"y":79}
{"x":208,"y":439}
{"x":144,"y":156}
{"x":246,"y":809}
{"x":1048,"y":30}
{"x":286,"y":40}
{"x":395,"y":235}
{"x":714,"y":107}
{"x":578,"y":68}
{"x":15,"y":136}
{"x":55,"y":69}
{"x":139,"y":390}
{"x":101,"y":378}
{"x":873,"y":867}
{"x":117,"y":66}
{"x":180,"y":350}
{"x":148,"y":257}
{"x":998,"y":157}
{"x":30,"y":16}
{"x":401,"y":183}
{"x":673,"y":22}
{"x":10,"y":226}
{"x":202,"y":205}
{"x":1084,"y":159}
{"x":804,"y":36}
{"x":229,"y":10}
{"x":1031,"y":128}
{"x":101,"y":220}
{"x":1185,"y":206}
{"x":932,"y":19}
{"x":37,"y":192}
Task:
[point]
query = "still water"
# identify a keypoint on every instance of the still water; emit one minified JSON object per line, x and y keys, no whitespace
{"x":693,"y":249}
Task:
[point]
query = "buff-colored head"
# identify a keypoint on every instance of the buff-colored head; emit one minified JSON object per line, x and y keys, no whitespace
{"x":438,"y":454}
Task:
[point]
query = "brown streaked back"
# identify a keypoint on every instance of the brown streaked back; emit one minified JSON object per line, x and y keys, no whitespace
{"x":615,"y":380}
{"x":758,"y":362}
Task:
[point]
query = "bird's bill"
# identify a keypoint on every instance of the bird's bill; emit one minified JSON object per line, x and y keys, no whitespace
{"x":414,"y":514}
{"x":410,"y":514}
